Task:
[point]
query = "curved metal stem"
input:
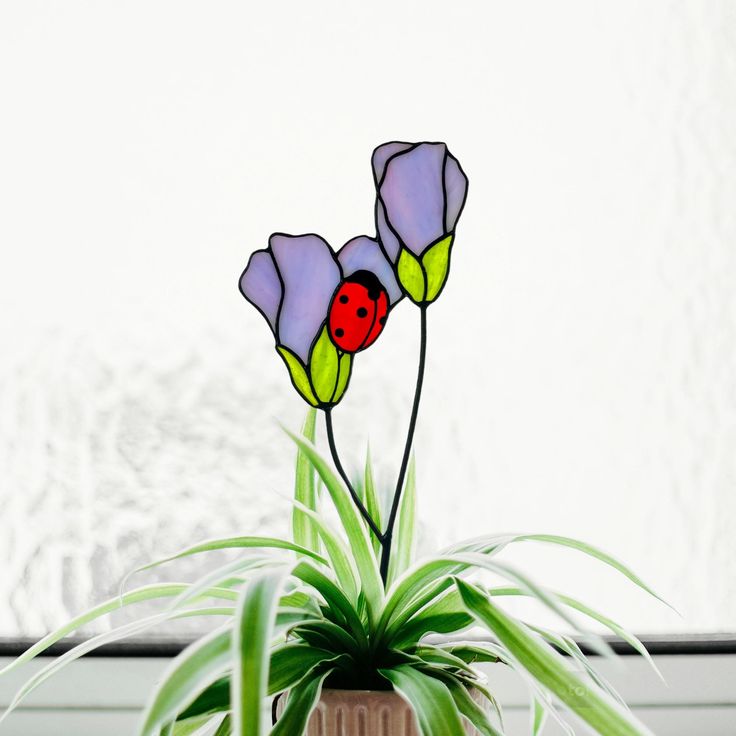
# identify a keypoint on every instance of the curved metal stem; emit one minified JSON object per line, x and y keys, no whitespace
{"x":389,"y":533}
{"x":336,"y":459}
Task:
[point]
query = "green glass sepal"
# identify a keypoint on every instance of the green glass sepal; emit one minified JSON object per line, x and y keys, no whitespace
{"x":436,"y":262}
{"x":411,"y":276}
{"x":422,"y":278}
{"x":323,"y":381}
{"x":298,"y":374}
{"x":329,"y":369}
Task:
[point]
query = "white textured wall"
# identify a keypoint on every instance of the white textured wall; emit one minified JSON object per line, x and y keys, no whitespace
{"x":582,"y":376}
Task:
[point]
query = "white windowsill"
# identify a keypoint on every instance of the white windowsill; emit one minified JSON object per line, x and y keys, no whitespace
{"x":104,"y":695}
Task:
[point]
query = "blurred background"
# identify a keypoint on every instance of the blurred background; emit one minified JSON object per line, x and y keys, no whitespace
{"x":582,"y":359}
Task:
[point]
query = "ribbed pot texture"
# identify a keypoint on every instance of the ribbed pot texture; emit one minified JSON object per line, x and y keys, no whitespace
{"x":365,"y":713}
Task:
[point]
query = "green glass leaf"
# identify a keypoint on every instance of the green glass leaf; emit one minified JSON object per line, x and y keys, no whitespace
{"x":436,"y":262}
{"x":411,"y":276}
{"x":329,"y":369}
{"x":343,"y":376}
{"x":298,"y":374}
{"x":324,"y":364}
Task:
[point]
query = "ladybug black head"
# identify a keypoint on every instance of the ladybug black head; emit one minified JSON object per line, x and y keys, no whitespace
{"x":369,"y":280}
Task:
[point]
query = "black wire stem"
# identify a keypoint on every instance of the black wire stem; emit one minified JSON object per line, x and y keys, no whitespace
{"x":336,"y":459}
{"x":389,"y":533}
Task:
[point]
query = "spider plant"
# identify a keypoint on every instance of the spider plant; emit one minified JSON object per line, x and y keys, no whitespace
{"x":313,"y":612}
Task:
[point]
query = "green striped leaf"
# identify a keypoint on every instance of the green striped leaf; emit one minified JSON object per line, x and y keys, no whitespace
{"x":550,"y":669}
{"x":435,"y":655}
{"x":335,"y":598}
{"x":402,"y":552}
{"x":430,"y":699}
{"x":575,"y":544}
{"x":568,"y":646}
{"x":220,"y":575}
{"x":289,"y":662}
{"x":372,"y":502}
{"x":419,"y":577}
{"x":331,"y":636}
{"x":337,"y":551}
{"x":215,"y":698}
{"x":188,"y":675}
{"x":539,"y":717}
{"x":301,"y":701}
{"x":469,"y":708}
{"x":145,"y":593}
{"x":231,"y":543}
{"x":365,"y":560}
{"x":122,"y":632}
{"x":225,"y":728}
{"x":305,"y":491}
{"x":611,"y":625}
{"x":186,"y":728}
{"x":251,"y":643}
{"x":287,"y":666}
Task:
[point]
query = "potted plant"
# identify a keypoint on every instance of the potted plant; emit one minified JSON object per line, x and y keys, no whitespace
{"x":330,"y":632}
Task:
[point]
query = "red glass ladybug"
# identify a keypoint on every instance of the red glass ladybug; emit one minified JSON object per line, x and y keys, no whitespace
{"x":358,"y":312}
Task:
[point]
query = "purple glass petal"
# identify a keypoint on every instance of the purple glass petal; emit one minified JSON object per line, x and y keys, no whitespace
{"x":413,"y":195}
{"x":261,"y":286}
{"x":456,"y":188}
{"x":384,"y":152}
{"x":388,"y":240}
{"x":364,"y":253}
{"x":310,"y":274}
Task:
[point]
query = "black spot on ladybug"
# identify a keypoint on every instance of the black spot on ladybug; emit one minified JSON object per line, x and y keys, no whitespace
{"x":382,"y":321}
{"x":369,"y":280}
{"x":339,"y":332}
{"x":343,"y":299}
{"x":362,"y":312}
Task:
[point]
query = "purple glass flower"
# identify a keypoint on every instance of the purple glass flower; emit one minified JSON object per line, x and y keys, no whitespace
{"x":421,"y":191}
{"x":294,"y":283}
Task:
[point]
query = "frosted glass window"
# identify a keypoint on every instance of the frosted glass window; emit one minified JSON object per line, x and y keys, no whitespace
{"x":581,"y":375}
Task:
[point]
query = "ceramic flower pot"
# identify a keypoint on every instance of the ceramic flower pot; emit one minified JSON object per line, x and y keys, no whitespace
{"x":365,"y":713}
